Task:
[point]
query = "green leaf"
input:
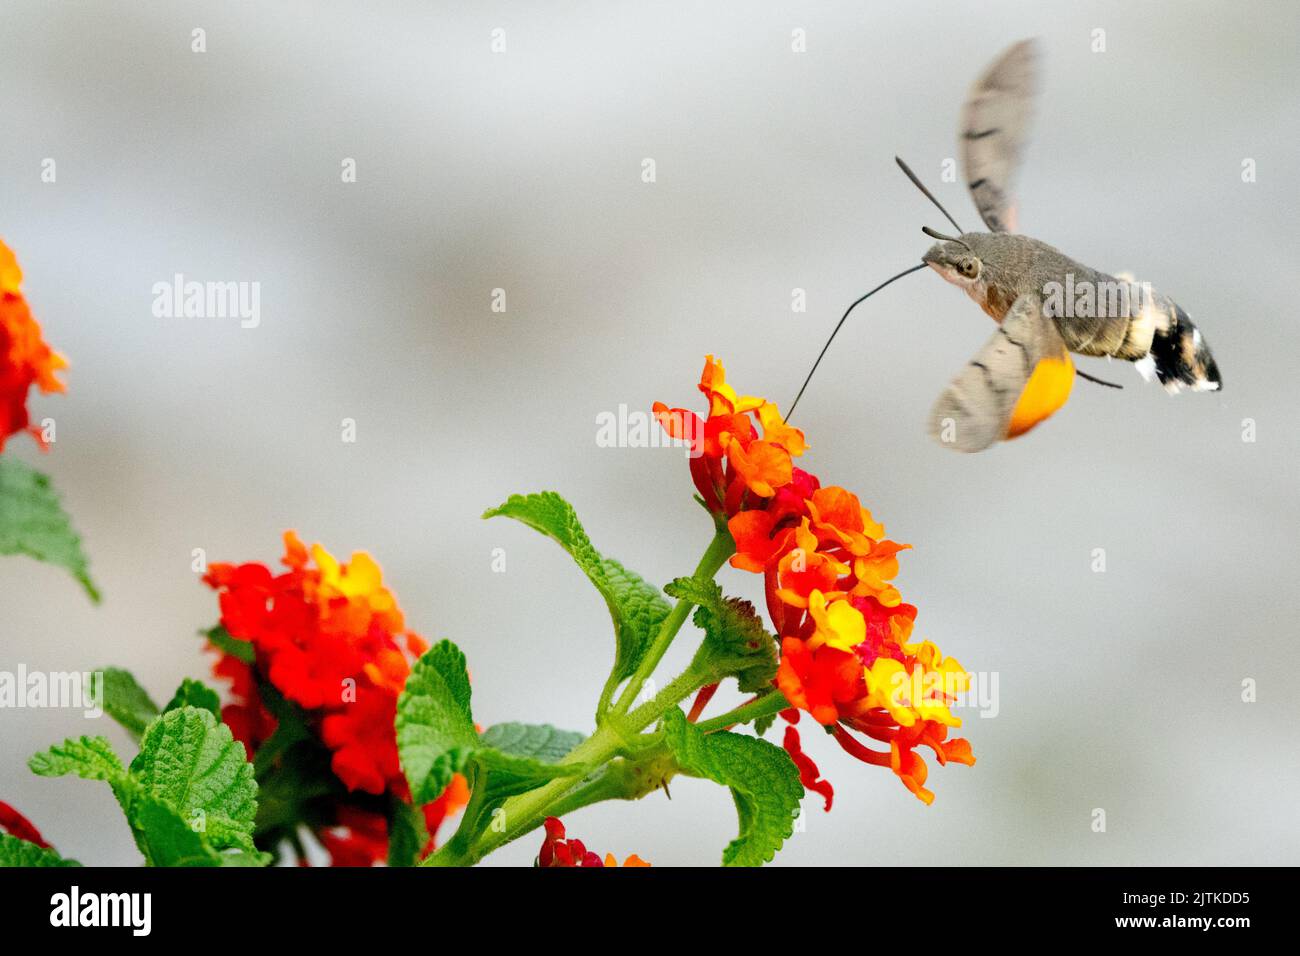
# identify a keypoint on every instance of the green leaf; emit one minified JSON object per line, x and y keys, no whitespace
{"x":436,"y":737}
{"x":220,"y":638}
{"x":763,"y":779}
{"x":32,"y":522}
{"x":637,"y":608}
{"x":188,"y":794}
{"x":407,"y":834}
{"x":16,"y":852}
{"x":89,"y":757}
{"x":735,"y":643}
{"x":298,"y":789}
{"x":195,"y":693}
{"x":192,"y":763}
{"x":523,"y":756}
{"x":539,"y":741}
{"x":165,"y":838}
{"x":435,"y":732}
{"x":507,"y":775}
{"x":247,"y":858}
{"x":127,"y":702}
{"x":290,"y":729}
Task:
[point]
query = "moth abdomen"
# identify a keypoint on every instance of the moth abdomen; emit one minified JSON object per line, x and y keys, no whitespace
{"x":1180,"y":357}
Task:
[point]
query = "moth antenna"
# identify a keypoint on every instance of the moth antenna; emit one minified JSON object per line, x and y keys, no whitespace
{"x":933,"y":234}
{"x":928,"y":195}
{"x":838,"y":324}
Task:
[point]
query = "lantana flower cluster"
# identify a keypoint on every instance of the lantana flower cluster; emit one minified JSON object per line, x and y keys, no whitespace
{"x":330,"y":638}
{"x":847,"y":658}
{"x":25,"y":359}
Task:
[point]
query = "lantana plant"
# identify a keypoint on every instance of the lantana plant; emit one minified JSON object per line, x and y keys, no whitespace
{"x":342,"y":726}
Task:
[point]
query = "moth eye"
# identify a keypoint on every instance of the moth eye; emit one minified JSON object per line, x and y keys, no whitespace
{"x":969,"y":268}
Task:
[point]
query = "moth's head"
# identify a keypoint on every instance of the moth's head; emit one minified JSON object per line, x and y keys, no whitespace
{"x":954,"y":258}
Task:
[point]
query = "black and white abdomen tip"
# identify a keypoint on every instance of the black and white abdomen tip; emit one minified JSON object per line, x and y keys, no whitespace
{"x":1179,"y":357}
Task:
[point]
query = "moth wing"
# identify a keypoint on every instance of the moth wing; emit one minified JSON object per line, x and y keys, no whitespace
{"x":1021,"y":376}
{"x":994,"y":130}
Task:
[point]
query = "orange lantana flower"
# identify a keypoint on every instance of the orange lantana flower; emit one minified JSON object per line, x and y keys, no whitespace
{"x":804,"y":571}
{"x":25,"y":359}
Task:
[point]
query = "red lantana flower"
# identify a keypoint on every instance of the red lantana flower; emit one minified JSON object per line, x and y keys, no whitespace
{"x":25,"y":359}
{"x":17,"y":825}
{"x":330,"y":638}
{"x":846,"y":654}
{"x":359,"y":837}
{"x":558,"y":852}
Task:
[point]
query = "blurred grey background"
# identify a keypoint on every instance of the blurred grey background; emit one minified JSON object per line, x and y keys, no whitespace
{"x":521,"y":171}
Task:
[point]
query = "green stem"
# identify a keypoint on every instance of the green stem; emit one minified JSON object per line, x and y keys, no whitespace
{"x":604,"y":787}
{"x":682,"y":686}
{"x":720,"y":549}
{"x":457,"y":848}
{"x":622,"y":779}
{"x":765,"y":706}
{"x":525,"y":812}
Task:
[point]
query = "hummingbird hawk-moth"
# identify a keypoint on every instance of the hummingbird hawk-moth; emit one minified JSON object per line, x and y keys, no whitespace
{"x":1046,"y":304}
